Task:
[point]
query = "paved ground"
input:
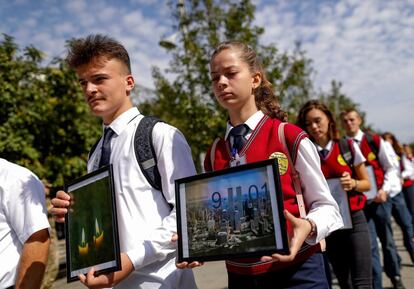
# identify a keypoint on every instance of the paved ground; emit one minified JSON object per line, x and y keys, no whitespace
{"x":213,"y":274}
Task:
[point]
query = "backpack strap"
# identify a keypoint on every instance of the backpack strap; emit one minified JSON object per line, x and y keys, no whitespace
{"x":372,"y":144}
{"x":347,"y":152}
{"x":145,"y":153}
{"x":295,"y":175}
{"x":213,"y":153}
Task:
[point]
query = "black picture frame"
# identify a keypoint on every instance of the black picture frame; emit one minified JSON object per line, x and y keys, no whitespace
{"x":231,"y":213}
{"x":91,"y":225}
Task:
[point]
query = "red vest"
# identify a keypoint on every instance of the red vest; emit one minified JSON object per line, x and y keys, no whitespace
{"x":372,"y":159}
{"x":407,"y":182}
{"x":263,"y":142}
{"x":333,"y":166}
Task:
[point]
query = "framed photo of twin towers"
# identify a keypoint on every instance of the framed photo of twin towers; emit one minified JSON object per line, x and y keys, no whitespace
{"x":231,"y":213}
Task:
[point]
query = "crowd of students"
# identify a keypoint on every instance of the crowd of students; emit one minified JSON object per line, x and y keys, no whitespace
{"x":375,"y":175}
{"x":375,"y":194}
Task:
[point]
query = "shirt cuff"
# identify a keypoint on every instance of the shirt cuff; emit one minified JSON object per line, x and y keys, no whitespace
{"x":386,"y":189}
{"x":322,"y":228}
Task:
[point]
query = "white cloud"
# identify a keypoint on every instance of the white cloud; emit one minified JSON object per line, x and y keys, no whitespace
{"x":77,"y":6}
{"x":64,"y":28}
{"x":367,"y":45}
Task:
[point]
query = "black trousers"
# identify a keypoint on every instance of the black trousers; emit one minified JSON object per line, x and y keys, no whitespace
{"x":349,"y":252}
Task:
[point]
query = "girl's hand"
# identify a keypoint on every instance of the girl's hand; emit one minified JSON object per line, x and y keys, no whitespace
{"x":381,"y":197}
{"x":185,"y":265}
{"x":301,"y":230}
{"x":347,"y":182}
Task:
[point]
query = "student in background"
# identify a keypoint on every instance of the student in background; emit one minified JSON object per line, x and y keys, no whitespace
{"x":400,"y":210}
{"x":349,"y":250}
{"x":378,"y":209}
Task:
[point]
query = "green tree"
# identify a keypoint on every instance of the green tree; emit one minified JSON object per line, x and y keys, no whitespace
{"x":338,"y":102}
{"x":45,"y":124}
{"x":187,"y":101}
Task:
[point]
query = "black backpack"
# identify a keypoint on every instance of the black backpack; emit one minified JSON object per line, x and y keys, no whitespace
{"x":347,"y":152}
{"x":144,"y":151}
{"x":372,"y":144}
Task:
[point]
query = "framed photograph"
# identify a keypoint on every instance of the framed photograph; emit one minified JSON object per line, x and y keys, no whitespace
{"x":91,"y":225}
{"x":231,"y":213}
{"x":341,"y":198}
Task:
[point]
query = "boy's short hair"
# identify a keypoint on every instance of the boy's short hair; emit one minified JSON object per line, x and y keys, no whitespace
{"x":349,"y":110}
{"x":83,"y":50}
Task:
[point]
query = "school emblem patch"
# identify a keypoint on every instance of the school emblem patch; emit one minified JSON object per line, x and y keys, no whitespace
{"x":282,"y":160}
{"x":371,"y":156}
{"x":341,"y":160}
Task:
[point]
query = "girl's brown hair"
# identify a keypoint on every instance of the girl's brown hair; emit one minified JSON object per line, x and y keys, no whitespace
{"x":316,"y":104}
{"x":395,"y":143}
{"x":264,"y":94}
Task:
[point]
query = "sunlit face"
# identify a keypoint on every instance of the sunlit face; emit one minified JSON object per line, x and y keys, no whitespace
{"x":106,"y":85}
{"x":351,"y":123}
{"x":317,"y":124}
{"x":232,"y":81}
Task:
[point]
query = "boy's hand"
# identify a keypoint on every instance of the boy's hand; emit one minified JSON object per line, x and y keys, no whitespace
{"x":59,"y":206}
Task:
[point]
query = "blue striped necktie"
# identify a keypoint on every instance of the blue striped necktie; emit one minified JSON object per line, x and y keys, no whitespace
{"x":239,"y":133}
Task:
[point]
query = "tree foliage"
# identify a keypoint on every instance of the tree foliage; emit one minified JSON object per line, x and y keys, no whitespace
{"x":338,"y":102}
{"x":183,"y":92}
{"x":45,"y":124}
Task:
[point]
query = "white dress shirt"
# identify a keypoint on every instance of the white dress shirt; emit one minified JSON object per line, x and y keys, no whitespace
{"x":358,"y":156}
{"x":392,"y":183}
{"x":145,"y":220}
{"x":22,"y":213}
{"x":323,"y":209}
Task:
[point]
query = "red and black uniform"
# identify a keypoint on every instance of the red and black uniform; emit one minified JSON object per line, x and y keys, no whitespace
{"x":372,"y":159}
{"x":260,"y":146}
{"x":332,"y":169}
{"x":407,"y":181}
{"x":349,"y":250}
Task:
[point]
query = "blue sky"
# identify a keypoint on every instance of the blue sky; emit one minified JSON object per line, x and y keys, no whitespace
{"x":367,"y":45}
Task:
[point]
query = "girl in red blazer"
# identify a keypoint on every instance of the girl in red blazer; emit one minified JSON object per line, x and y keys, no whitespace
{"x":349,"y":249}
{"x":240,"y":86}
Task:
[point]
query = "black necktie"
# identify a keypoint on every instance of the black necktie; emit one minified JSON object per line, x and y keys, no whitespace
{"x":323,"y":152}
{"x":106,"y":147}
{"x":239,"y":133}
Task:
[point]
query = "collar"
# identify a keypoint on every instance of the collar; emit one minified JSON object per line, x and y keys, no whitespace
{"x":359,"y":135}
{"x":122,"y":121}
{"x":327,"y":147}
{"x":251,"y":122}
